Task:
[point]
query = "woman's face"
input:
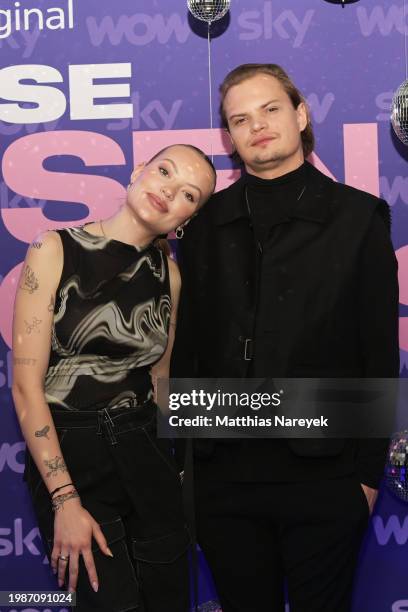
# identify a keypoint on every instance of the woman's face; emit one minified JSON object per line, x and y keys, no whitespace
{"x":170,"y":189}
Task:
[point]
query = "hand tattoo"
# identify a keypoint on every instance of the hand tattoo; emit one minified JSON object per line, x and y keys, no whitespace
{"x":30,"y":283}
{"x":51,"y":305}
{"x":36,"y":245}
{"x":43,"y":433}
{"x":34,"y":325}
{"x":55,"y":465}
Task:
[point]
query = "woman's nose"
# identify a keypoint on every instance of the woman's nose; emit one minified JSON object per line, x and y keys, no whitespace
{"x":166,"y":191}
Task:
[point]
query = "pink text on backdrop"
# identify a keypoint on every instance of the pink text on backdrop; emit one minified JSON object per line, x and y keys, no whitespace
{"x":101,"y":194}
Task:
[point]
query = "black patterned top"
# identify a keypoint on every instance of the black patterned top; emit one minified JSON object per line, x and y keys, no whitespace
{"x":111,"y":321}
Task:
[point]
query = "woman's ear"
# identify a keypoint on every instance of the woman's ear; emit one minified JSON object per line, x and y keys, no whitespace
{"x":137,"y":171}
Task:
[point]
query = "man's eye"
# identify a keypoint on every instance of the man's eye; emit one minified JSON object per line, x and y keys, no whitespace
{"x":189,"y":196}
{"x":239,"y":121}
{"x":272,"y":108}
{"x":163,"y":171}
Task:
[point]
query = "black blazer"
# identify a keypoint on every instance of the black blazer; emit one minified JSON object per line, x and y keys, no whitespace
{"x":333,"y":298}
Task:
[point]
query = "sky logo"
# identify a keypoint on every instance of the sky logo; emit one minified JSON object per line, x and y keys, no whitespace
{"x":264,"y":24}
{"x":153,"y":115}
{"x":13,"y":541}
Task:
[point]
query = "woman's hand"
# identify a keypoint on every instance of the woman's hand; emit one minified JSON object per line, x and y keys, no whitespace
{"x":74,"y":528}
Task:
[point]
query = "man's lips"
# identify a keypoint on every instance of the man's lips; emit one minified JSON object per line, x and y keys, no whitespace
{"x":157,"y":203}
{"x":261,"y":141}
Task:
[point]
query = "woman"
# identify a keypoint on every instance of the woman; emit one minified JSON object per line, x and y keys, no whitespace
{"x":94,"y":319}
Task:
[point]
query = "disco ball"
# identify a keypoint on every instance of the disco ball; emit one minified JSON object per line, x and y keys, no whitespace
{"x":208,"y":10}
{"x":399,"y":115}
{"x":397,"y":467}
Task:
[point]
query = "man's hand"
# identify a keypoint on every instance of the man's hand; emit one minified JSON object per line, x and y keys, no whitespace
{"x":371,"y":495}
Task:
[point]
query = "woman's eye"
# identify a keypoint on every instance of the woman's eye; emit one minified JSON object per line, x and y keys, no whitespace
{"x":189,"y":196}
{"x":239,"y":121}
{"x":163,"y":171}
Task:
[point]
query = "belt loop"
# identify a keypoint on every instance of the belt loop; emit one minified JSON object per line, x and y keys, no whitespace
{"x":109,"y":424}
{"x":108,"y":417}
{"x":99,"y":431}
{"x":248,"y":354}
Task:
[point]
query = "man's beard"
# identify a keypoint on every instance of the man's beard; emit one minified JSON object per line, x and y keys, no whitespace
{"x":270,"y":158}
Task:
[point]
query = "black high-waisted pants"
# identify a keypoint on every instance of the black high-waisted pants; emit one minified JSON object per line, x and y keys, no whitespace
{"x":127,"y":479}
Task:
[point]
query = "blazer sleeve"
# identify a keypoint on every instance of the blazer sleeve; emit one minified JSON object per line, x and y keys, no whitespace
{"x":184,"y":355}
{"x":378,"y":324}
{"x":184,"y":359}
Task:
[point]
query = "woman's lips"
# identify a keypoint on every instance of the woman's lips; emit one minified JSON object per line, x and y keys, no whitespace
{"x":157,"y":203}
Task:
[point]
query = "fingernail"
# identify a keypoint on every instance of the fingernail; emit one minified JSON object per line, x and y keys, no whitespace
{"x":54,"y":570}
{"x":60,"y":583}
{"x":71,"y":590}
{"x":95,"y":586}
{"x":110,"y":553}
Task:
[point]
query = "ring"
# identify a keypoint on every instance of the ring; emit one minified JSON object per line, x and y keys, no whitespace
{"x":63,"y":557}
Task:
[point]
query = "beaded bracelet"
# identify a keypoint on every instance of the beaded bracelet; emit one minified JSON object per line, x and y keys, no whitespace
{"x":61,"y":487}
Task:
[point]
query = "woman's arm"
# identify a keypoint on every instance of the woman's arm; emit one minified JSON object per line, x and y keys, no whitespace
{"x":33,"y":314}
{"x":32,"y":326}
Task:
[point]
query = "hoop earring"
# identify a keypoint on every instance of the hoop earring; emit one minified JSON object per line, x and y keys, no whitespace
{"x":179,"y":232}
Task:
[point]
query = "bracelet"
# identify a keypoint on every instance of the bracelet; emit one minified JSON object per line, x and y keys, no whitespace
{"x":58,"y":501}
{"x":61,"y":487}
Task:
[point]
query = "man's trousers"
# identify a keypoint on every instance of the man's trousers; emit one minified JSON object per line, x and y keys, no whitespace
{"x":258,"y":535}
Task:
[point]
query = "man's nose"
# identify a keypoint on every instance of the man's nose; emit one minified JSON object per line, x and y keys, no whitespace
{"x":257,"y":124}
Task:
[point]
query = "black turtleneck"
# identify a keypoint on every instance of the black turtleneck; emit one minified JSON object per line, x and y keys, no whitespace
{"x":270,"y":201}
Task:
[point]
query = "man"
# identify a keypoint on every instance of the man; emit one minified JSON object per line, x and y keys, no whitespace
{"x":285,"y":274}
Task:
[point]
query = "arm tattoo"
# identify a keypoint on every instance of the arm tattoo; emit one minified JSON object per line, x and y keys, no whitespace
{"x":34,"y":325}
{"x":24,"y":361}
{"x":58,"y":502}
{"x":30,"y":283}
{"x":43,"y":433}
{"x":55,"y":465}
{"x":36,"y":245}
{"x":51,"y":305}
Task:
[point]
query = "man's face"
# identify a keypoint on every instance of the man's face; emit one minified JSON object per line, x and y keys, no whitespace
{"x":264,"y":126}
